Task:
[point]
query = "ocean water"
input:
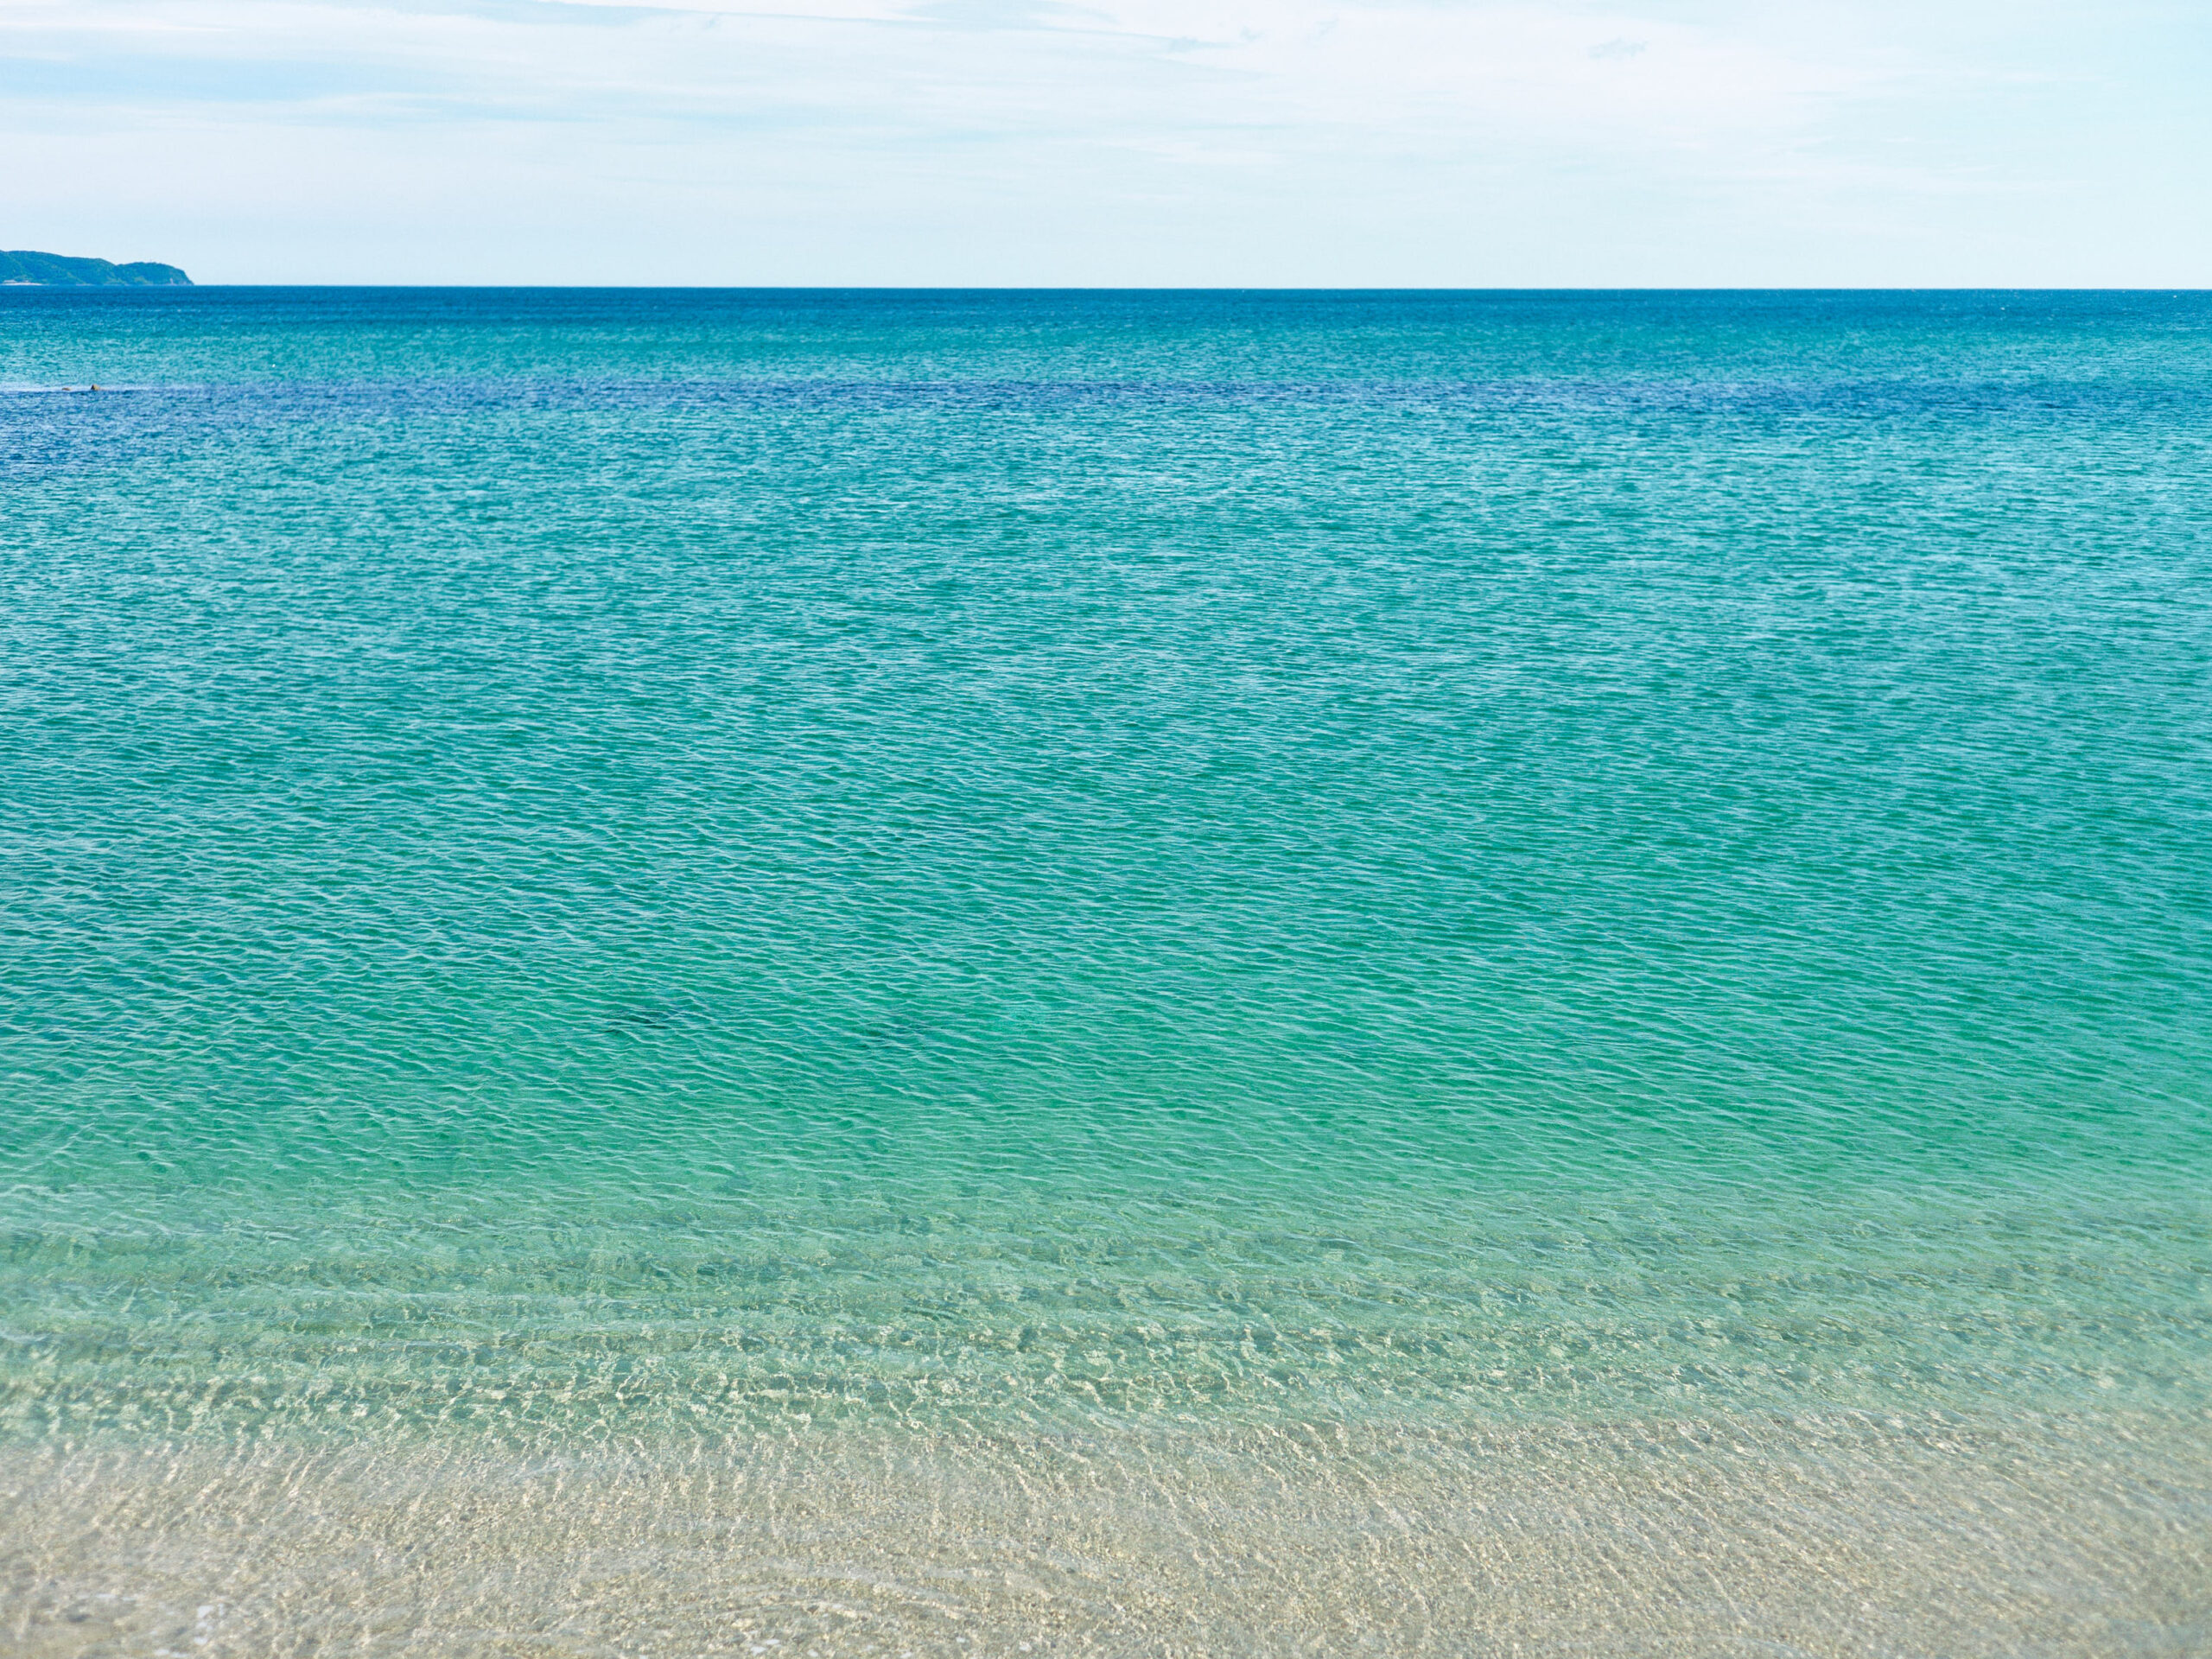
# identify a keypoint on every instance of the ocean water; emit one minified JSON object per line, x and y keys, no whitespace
{"x":687,"y":972}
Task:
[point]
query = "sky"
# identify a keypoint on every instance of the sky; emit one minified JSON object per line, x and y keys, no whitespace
{"x":1458,"y":144}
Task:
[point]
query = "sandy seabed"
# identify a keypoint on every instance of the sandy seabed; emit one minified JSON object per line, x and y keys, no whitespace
{"x":1844,"y":1536}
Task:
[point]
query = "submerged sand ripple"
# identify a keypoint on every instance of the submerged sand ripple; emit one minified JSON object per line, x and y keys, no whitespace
{"x":1851,"y":1535}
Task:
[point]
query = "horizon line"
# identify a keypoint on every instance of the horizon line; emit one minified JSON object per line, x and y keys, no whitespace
{"x":2174,"y":289}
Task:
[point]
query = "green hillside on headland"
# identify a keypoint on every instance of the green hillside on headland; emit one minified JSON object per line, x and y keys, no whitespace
{"x":21,"y":265}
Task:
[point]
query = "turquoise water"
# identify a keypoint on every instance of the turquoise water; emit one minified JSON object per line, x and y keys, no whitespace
{"x":640,"y":870}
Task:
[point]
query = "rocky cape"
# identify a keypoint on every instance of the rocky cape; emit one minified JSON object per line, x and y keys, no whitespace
{"x":22,"y":266}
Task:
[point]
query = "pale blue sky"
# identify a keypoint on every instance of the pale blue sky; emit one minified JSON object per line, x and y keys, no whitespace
{"x":1443,"y":143}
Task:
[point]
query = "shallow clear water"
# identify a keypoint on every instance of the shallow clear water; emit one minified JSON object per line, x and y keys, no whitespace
{"x":643,"y":875}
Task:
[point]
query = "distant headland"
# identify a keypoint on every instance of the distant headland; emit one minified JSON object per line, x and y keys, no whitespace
{"x":21,"y":267}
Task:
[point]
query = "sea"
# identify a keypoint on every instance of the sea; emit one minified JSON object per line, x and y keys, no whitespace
{"x":781,"y":972}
